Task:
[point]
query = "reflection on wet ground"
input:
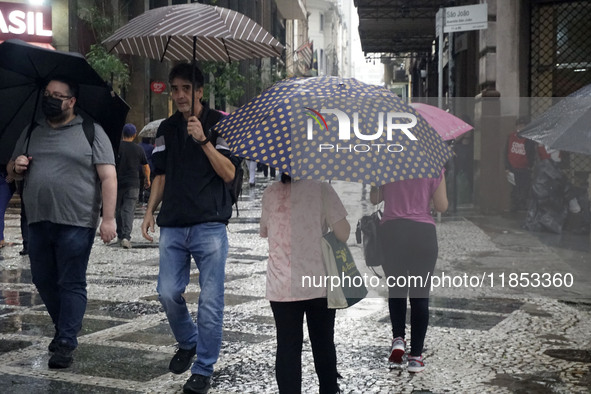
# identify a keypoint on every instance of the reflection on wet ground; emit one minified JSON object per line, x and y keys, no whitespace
{"x":29,"y":384}
{"x":41,"y":325}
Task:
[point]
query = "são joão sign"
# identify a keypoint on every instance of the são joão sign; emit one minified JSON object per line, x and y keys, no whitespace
{"x":25,"y":22}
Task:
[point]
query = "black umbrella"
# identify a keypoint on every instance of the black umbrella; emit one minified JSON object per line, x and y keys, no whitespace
{"x":24,"y":71}
{"x":565,"y":125}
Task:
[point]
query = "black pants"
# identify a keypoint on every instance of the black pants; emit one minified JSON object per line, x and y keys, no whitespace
{"x":289,"y":320}
{"x":412,"y":251}
{"x":520,"y":192}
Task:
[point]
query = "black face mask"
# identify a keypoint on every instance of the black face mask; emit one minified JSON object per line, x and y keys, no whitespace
{"x":51,"y":107}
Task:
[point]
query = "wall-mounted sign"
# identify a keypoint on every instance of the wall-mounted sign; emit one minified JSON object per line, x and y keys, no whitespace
{"x":25,"y":22}
{"x":465,"y":18}
{"x":157,"y":87}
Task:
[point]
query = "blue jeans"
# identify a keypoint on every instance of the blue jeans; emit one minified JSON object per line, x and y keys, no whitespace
{"x":59,"y":258}
{"x":208,"y":244}
{"x":6,"y":192}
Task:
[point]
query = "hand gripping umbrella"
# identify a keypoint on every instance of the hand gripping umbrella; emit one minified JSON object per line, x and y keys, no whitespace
{"x":24,"y":71}
{"x":335,"y":128}
{"x":193,"y":32}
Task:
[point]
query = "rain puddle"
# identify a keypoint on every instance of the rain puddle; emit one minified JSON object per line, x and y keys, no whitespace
{"x":542,"y":383}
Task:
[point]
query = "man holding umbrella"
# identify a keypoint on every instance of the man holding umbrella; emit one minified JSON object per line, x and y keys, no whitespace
{"x":67,"y":176}
{"x":192,"y":166}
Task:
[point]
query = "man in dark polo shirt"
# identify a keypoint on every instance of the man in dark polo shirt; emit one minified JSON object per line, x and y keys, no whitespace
{"x":192,"y":166}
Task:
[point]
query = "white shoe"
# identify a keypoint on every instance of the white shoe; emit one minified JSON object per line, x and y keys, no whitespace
{"x":125,"y":243}
{"x":573,"y":206}
{"x":397,"y":350}
{"x":415,"y":364}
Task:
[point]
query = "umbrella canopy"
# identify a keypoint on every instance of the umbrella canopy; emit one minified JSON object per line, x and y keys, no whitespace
{"x":447,"y":125}
{"x":24,"y":71}
{"x":335,"y":128}
{"x":565,"y":125}
{"x":149,"y":130}
{"x":193,"y":31}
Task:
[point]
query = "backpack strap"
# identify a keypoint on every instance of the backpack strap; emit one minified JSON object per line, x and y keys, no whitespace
{"x":88,"y":127}
{"x":32,"y":127}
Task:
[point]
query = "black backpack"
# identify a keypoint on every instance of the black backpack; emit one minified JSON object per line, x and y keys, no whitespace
{"x":235,"y":186}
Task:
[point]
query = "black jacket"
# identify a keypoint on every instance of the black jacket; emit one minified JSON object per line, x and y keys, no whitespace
{"x":193,"y":192}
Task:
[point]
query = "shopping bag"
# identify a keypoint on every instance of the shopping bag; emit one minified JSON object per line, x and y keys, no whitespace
{"x":345,"y":285}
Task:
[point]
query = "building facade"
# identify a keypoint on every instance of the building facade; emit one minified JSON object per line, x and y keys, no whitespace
{"x":531,"y":53}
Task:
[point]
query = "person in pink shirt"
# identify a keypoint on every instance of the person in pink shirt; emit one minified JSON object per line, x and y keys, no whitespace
{"x":408,"y":238}
{"x":294,"y":217}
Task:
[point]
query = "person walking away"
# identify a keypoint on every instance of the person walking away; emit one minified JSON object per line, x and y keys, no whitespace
{"x":66,"y":180}
{"x":148,"y":147}
{"x":301,"y":211}
{"x":7,"y":187}
{"x":252,"y":171}
{"x":192,"y":166}
{"x":266,"y":171}
{"x":408,"y":238}
{"x":131,"y":157}
{"x":519,"y":160}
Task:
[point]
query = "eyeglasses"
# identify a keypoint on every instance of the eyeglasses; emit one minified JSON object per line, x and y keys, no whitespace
{"x":56,"y":95}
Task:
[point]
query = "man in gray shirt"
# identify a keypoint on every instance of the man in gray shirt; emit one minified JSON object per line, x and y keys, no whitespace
{"x":66,"y":178}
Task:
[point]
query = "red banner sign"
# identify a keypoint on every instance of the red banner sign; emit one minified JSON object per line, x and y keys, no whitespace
{"x":157,"y":87}
{"x":25,"y":22}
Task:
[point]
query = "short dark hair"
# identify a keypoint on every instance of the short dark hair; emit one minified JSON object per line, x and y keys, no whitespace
{"x":186,"y":71}
{"x":72,"y":86}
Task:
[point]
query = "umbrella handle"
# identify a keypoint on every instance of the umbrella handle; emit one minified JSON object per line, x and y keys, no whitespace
{"x":193,"y":64}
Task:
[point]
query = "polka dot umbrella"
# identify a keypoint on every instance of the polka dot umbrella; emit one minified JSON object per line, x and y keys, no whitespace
{"x":335,"y":128}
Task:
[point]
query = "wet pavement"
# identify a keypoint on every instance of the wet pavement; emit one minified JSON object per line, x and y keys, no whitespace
{"x":489,"y":332}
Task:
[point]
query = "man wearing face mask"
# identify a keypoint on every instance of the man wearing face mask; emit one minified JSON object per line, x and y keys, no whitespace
{"x":66,"y":180}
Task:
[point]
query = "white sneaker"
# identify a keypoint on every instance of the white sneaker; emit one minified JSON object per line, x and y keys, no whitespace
{"x":397,"y":350}
{"x":415,"y":364}
{"x":125,"y":243}
{"x":573,"y":206}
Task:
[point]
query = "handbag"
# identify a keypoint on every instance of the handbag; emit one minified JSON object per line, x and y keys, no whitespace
{"x":368,"y":232}
{"x":345,"y":286}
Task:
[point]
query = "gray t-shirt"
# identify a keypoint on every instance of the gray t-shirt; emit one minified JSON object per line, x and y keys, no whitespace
{"x":61,"y":184}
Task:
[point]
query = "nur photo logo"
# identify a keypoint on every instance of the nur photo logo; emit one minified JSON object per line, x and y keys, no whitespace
{"x":348,"y":130}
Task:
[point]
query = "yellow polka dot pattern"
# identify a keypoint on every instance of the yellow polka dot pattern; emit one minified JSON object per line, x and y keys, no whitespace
{"x":280,"y":129}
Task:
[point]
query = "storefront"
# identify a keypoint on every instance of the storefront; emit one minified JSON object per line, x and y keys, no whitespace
{"x":27,"y":22}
